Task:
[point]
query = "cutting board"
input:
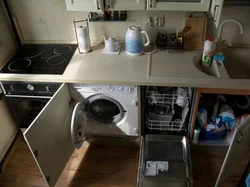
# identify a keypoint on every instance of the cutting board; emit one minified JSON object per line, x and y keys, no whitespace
{"x":195,"y":38}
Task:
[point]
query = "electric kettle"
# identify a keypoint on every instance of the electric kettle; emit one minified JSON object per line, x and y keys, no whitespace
{"x":134,"y":41}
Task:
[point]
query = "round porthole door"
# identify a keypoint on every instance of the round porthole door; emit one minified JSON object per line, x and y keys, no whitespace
{"x":104,"y":109}
{"x":78,"y":125}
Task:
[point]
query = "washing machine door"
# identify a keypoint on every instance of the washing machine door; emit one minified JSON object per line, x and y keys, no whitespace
{"x":78,"y":125}
{"x":104,"y":109}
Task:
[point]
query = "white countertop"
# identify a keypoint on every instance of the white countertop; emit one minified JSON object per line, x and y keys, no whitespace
{"x":161,"y":68}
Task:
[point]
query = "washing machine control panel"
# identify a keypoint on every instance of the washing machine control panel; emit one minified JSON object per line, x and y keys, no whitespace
{"x":107,"y":88}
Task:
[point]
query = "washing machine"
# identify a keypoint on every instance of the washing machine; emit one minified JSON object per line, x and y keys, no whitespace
{"x":106,"y":110}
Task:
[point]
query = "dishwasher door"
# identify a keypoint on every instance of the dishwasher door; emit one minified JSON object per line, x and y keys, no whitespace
{"x":160,"y":150}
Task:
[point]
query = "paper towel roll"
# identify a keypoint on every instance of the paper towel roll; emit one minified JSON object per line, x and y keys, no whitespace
{"x":83,"y":39}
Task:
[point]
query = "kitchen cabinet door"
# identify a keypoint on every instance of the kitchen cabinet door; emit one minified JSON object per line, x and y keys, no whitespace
{"x":8,"y":129}
{"x":49,"y":136}
{"x":85,"y":5}
{"x":179,"y":5}
{"x":111,"y":5}
{"x":216,"y":10}
{"x":238,"y":149}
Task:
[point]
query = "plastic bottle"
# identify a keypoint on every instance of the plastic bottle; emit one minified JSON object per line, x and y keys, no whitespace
{"x":202,"y":117}
{"x":196,"y":135}
{"x":208,"y":52}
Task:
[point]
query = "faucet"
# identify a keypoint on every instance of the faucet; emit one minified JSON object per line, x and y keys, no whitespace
{"x":219,"y":41}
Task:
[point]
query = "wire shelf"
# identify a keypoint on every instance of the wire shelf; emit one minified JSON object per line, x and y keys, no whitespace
{"x":169,"y":98}
{"x":164,"y":123}
{"x":168,"y":108}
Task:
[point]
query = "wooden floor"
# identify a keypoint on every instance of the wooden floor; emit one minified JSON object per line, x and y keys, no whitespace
{"x":98,"y":166}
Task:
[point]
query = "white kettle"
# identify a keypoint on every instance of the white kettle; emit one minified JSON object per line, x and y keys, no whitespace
{"x":134,"y":42}
{"x":111,"y":44}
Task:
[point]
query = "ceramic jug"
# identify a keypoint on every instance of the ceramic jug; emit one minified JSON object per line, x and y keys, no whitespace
{"x":111,"y":44}
{"x":134,"y":42}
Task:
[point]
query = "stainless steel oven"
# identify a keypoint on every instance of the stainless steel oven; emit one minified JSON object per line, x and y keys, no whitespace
{"x":27,"y":99}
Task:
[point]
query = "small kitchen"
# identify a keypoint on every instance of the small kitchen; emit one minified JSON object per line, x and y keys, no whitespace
{"x":124,"y":93}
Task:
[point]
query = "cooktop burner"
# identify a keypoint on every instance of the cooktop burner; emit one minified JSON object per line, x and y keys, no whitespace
{"x":19,"y":65}
{"x":62,"y":49}
{"x":40,"y":59}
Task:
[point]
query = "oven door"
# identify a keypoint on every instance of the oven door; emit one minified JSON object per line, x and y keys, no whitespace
{"x":26,"y":108}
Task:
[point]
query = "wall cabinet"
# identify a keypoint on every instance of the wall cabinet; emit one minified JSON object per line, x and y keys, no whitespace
{"x":216,"y":10}
{"x":178,"y":5}
{"x":101,"y":5}
{"x":85,"y":5}
{"x":111,"y":5}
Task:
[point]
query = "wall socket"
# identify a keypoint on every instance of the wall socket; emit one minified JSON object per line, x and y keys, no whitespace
{"x":154,"y":20}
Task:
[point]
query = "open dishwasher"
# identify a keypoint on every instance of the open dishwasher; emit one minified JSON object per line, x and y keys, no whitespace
{"x":165,"y":158}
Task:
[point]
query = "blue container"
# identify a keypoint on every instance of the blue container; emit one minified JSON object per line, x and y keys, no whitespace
{"x":209,"y":135}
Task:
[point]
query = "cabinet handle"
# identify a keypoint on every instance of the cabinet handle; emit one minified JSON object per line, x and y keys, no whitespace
{"x":216,"y":7}
{"x":108,"y":3}
{"x":151,"y":4}
{"x":98,"y":5}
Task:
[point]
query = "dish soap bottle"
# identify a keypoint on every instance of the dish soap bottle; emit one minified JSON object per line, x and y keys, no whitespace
{"x":208,"y":52}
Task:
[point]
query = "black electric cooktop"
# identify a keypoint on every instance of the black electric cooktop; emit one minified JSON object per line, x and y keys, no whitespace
{"x":40,"y":59}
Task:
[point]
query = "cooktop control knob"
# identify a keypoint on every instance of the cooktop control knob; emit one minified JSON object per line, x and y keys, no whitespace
{"x":131,"y":89}
{"x":12,"y":87}
{"x":48,"y":88}
{"x":120,"y":89}
{"x":111,"y":88}
{"x":30,"y":87}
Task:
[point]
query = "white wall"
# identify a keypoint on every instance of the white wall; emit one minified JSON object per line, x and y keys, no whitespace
{"x":48,"y":20}
{"x":231,"y":31}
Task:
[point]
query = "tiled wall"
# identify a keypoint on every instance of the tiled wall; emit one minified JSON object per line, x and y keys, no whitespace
{"x":7,"y":42}
{"x":42,"y":20}
{"x":48,"y":20}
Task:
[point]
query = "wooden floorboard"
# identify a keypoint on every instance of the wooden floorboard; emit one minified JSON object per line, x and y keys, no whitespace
{"x":90,"y":166}
{"x":100,"y":166}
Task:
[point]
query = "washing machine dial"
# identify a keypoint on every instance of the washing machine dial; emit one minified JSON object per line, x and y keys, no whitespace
{"x":131,"y":89}
{"x":135,"y":130}
{"x":111,"y":88}
{"x":95,"y":88}
{"x":134,"y":103}
{"x":120,"y":89}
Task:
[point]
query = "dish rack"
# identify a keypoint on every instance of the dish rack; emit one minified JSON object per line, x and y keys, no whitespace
{"x":164,"y":116}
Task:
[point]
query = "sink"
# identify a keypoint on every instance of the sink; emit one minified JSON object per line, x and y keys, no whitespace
{"x":237,"y":62}
{"x":212,"y":71}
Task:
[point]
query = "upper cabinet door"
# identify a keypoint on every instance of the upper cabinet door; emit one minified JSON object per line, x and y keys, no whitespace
{"x":85,"y":5}
{"x":238,"y":149}
{"x":216,"y":10}
{"x":179,"y":5}
{"x":49,"y":136}
{"x":111,"y":5}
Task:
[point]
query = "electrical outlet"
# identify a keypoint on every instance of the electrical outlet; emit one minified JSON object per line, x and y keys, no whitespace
{"x":159,"y":20}
{"x":154,"y":20}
